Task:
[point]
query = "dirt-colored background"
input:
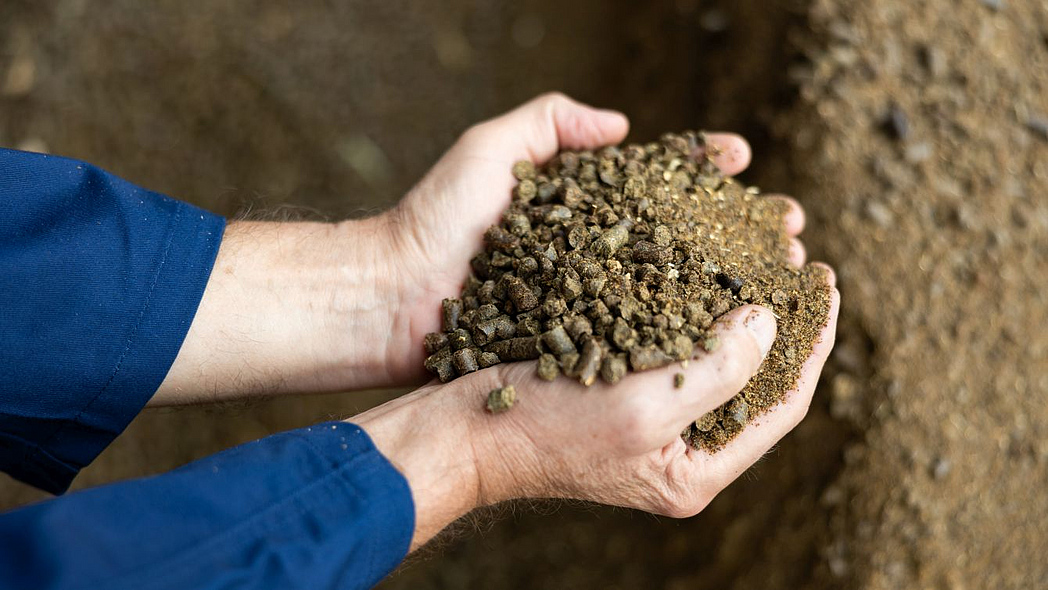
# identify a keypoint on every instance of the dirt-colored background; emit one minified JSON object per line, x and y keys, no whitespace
{"x":925,"y":458}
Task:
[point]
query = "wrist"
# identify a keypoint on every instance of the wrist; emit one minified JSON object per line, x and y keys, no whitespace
{"x":370,"y":339}
{"x":289,"y":308}
{"x":508,"y":465}
{"x":426,"y":435}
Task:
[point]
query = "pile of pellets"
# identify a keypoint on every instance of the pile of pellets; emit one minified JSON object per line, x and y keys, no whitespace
{"x":621,"y":260}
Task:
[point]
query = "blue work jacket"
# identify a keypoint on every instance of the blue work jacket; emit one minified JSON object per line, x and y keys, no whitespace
{"x":99,"y":282}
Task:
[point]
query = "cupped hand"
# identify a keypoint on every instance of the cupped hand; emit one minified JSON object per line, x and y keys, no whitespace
{"x":621,"y":445}
{"x":438,"y":227}
{"x":614,"y":444}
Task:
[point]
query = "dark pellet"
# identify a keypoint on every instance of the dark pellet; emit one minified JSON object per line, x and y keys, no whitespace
{"x":488,"y":359}
{"x":452,"y":311}
{"x":505,"y":327}
{"x":460,"y":339}
{"x":524,"y":348}
{"x":500,"y":239}
{"x":434,"y":359}
{"x":443,"y":368}
{"x":612,"y":239}
{"x":897,"y":124}
{"x":469,"y":317}
{"x":484,"y":332}
{"x":481,"y":265}
{"x":520,"y":294}
{"x":527,"y":266}
{"x":648,"y":253}
{"x":465,"y":361}
{"x":487,"y":312}
{"x":435,"y":341}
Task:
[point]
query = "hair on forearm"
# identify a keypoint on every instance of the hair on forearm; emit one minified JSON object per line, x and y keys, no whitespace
{"x":251,"y":211}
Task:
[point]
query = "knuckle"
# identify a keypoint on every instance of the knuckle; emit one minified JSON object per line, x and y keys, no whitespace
{"x":682,"y":494}
{"x":799,"y":414}
{"x":684,"y":505}
{"x":476,"y":133}
{"x":553,"y":98}
{"x":637,"y":422}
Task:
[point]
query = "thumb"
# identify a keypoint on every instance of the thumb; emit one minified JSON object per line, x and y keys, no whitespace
{"x":551,"y":122}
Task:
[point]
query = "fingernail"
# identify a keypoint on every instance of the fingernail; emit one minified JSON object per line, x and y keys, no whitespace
{"x":761,"y":325}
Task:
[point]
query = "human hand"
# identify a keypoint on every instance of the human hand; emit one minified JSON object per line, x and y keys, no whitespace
{"x":613,"y":444}
{"x":439,"y":225}
{"x":616,"y":445}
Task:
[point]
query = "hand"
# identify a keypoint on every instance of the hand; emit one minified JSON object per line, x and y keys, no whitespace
{"x":616,"y":445}
{"x":439,"y":225}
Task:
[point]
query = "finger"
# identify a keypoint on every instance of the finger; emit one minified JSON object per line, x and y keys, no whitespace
{"x":731,"y":153}
{"x":743,"y":338}
{"x":794,"y":218}
{"x":798,"y":254}
{"x":831,"y":275}
{"x":538,"y":129}
{"x":755,"y":440}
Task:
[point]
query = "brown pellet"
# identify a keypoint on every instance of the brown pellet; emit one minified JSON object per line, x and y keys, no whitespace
{"x":612,"y":368}
{"x":520,"y":294}
{"x":452,"y":309}
{"x":612,"y":239}
{"x":465,"y":361}
{"x":588,"y":364}
{"x":434,"y":341}
{"x":548,"y":368}
{"x":501,"y":399}
{"x":516,"y":349}
{"x":557,"y":341}
{"x":643,"y":358}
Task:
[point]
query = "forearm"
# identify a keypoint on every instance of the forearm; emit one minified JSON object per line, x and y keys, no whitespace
{"x":290,"y":308}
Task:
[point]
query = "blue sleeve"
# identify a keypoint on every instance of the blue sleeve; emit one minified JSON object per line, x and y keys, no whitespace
{"x":99,"y":281}
{"x":317,"y":507}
